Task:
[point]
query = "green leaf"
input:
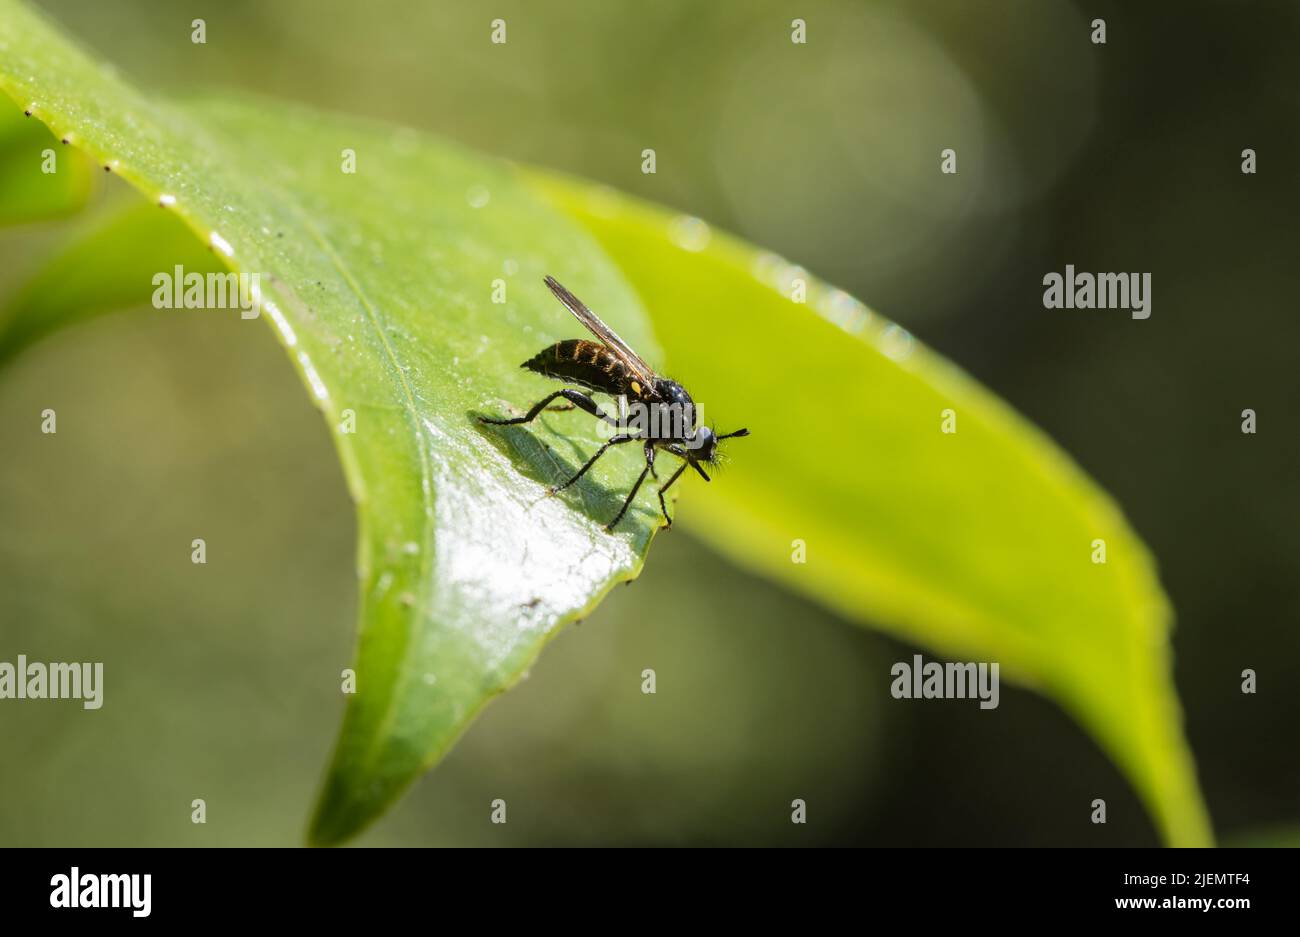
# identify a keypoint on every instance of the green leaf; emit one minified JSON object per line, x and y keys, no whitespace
{"x":27,"y":191}
{"x":379,"y":286}
{"x":101,"y":267}
{"x":978,"y":543}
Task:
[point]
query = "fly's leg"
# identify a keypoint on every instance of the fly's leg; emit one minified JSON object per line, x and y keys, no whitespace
{"x":585,"y":403}
{"x":613,"y":441}
{"x":577,"y":398}
{"x":649,"y":464}
{"x":650,"y":459}
{"x":663,"y":506}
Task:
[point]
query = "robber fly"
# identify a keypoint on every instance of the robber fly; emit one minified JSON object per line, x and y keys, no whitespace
{"x":609,"y":366}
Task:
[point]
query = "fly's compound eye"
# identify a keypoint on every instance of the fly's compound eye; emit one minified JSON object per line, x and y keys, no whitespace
{"x":703,"y":443}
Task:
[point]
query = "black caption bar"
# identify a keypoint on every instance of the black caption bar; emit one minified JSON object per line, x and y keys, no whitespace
{"x":143,"y":888}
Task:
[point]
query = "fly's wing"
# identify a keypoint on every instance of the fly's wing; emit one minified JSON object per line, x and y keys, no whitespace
{"x":636,"y":368}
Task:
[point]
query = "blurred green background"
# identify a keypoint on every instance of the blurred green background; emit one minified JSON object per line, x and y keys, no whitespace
{"x":221,"y":679}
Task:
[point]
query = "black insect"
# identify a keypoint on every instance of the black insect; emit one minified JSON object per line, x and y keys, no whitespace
{"x":663,"y":412}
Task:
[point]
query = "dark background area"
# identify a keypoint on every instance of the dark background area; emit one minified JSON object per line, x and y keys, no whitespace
{"x":1117,"y":157}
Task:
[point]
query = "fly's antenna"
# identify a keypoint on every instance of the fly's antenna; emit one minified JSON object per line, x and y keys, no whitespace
{"x":739,"y":432}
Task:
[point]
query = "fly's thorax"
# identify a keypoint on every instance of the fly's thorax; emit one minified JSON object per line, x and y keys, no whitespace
{"x":678,"y":414}
{"x":670,"y":392}
{"x":669,"y":419}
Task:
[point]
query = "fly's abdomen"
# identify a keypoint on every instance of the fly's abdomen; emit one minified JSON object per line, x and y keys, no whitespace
{"x":577,"y":361}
